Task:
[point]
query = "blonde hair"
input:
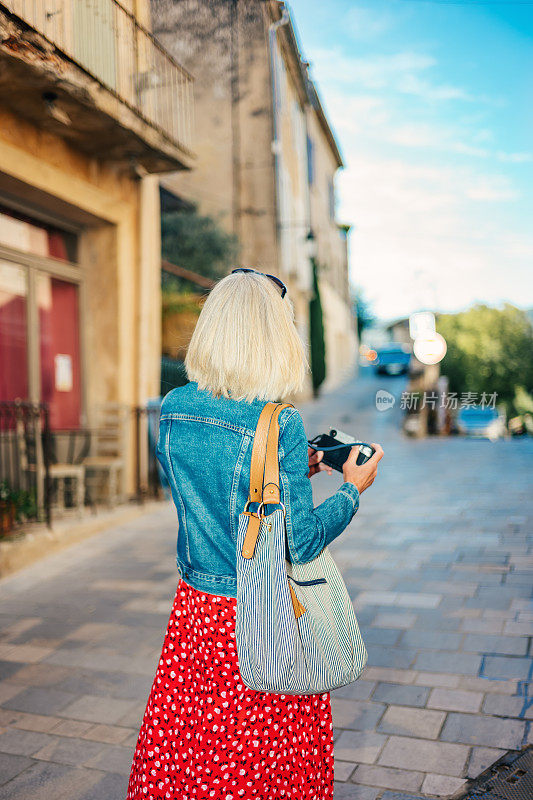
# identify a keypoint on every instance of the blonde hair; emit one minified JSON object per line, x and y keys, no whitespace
{"x":245,"y":344}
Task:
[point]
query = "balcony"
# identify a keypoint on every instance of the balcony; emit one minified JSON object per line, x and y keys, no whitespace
{"x":88,"y":71}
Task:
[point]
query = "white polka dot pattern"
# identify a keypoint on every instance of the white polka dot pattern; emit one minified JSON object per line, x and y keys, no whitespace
{"x":206,"y":735}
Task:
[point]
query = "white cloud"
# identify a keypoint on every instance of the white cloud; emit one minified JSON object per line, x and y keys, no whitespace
{"x":514,"y":158}
{"x":364,"y":23}
{"x":376,"y":72}
{"x":412,"y":84}
{"x":421,"y":237}
{"x":434,"y":220}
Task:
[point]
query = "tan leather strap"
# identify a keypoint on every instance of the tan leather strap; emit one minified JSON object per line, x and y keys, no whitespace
{"x":264,"y":468}
{"x":264,"y":475}
{"x":257,"y":467}
{"x":271,"y":488}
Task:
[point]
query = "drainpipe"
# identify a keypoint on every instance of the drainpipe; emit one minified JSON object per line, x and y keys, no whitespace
{"x":276,"y":145}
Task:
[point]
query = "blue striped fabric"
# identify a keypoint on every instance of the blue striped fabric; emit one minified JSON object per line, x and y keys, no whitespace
{"x":319,"y":651}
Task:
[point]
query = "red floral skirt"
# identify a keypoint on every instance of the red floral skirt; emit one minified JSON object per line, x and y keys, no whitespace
{"x":206,"y":735}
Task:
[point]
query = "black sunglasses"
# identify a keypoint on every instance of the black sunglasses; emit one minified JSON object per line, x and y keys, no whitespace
{"x":279,"y":283}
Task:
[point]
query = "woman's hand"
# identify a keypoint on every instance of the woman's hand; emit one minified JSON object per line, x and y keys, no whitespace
{"x":364,"y":475}
{"x":315,"y":457}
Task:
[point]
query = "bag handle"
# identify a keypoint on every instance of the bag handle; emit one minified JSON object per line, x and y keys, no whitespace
{"x":264,"y":469}
{"x":271,"y":488}
{"x":257,"y":468}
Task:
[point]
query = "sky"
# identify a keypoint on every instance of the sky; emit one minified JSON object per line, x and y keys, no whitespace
{"x":431,"y":102}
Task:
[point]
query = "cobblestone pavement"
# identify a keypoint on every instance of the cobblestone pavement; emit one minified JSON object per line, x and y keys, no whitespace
{"x":438,"y":561}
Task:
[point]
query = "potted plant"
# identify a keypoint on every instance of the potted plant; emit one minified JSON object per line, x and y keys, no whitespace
{"x":8,"y":508}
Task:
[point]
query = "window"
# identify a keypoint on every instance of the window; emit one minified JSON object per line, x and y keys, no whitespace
{"x":310,"y":161}
{"x":13,"y":338}
{"x":59,"y":349}
{"x":331,"y":198}
{"x":40,"y":285}
{"x":30,"y":236}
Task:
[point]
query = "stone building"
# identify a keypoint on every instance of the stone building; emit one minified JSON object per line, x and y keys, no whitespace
{"x":92,"y":110}
{"x":267,"y":156}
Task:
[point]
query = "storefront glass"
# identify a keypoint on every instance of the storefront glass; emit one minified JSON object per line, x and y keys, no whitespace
{"x":57,"y":302}
{"x":13,"y":332}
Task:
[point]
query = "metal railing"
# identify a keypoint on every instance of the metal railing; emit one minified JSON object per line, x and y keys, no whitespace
{"x":109,"y":43}
{"x":24,"y":460}
{"x":30,"y":454}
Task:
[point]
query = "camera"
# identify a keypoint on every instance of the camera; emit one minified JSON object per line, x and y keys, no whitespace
{"x":336,"y":447}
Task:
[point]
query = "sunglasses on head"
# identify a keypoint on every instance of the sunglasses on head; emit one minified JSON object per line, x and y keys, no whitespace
{"x":273,"y":278}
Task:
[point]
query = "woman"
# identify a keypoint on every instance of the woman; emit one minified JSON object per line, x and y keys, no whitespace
{"x":204,"y":733}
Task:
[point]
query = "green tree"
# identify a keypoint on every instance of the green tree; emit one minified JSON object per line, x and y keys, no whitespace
{"x":363,"y":312}
{"x":197,"y":243}
{"x":489,"y":350}
{"x":316,"y":334}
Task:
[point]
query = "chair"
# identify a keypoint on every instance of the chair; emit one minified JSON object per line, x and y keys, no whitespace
{"x":105,"y":465}
{"x":35,"y":449}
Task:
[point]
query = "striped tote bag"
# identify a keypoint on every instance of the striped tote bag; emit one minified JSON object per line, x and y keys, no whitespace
{"x":296,"y":629}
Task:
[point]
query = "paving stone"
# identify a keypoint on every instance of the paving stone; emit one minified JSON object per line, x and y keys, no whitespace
{"x":481,"y":758}
{"x":71,"y":727}
{"x":388,"y":777}
{"x":517,"y":628}
{"x":443,"y":661}
{"x":507,"y":667}
{"x":24,"y":652}
{"x":383,"y":636}
{"x":361,"y":748}
{"x":407,"y":599}
{"x":8,"y":717}
{"x":97,"y":709}
{"x":7,"y":691}
{"x":40,"y":700}
{"x":411,"y":721}
{"x":12,"y":765}
{"x":390,"y":674}
{"x":488,"y":685}
{"x":133,"y":717}
{"x":359,"y":690}
{"x":431,"y":640}
{"x":36,"y":781}
{"x":35,"y":722}
{"x":481,"y":626}
{"x":24,"y":743}
{"x":401,"y":796}
{"x":391,"y":619}
{"x":455,"y":700}
{"x":9,"y":668}
{"x":68,"y":751}
{"x":504,"y":706}
{"x":113,"y":758}
{"x":481,"y":730}
{"x":401,"y":695}
{"x":41,"y":674}
{"x":396,"y":657}
{"x":410,"y":754}
{"x":349,"y":791}
{"x":111,"y":734}
{"x":113,"y":786}
{"x":441,"y":785}
{"x":506,"y":645}
{"x":356,"y":715}
{"x":440,"y":679}
{"x":343,"y":770}
{"x":433,"y":620}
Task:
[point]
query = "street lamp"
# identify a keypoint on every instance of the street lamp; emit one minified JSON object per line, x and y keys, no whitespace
{"x":310,"y":242}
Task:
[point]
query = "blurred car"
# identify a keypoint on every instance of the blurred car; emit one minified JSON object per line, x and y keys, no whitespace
{"x":481,"y":421}
{"x":392,"y":359}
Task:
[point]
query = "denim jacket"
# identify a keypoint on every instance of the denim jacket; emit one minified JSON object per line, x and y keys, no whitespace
{"x":204,"y":446}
